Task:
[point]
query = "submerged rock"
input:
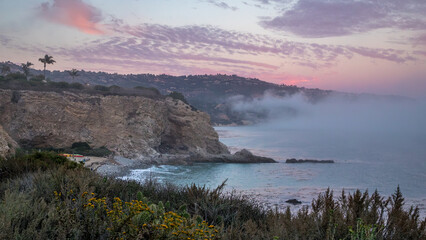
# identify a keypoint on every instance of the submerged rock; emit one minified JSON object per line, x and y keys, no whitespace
{"x":293,"y":160}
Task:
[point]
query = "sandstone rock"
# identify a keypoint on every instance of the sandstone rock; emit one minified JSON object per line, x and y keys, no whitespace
{"x":131,"y":126}
{"x":7,"y":144}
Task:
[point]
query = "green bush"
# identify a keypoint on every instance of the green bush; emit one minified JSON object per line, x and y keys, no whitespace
{"x":101,"y":88}
{"x":18,"y":165}
{"x":82,"y":148}
{"x":38,"y":78}
{"x":77,"y":85}
{"x":60,"y":85}
{"x":152,"y":90}
{"x":16,"y":76}
{"x":178,"y":95}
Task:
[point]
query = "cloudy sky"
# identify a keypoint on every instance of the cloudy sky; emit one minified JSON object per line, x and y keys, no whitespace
{"x":376,"y":46}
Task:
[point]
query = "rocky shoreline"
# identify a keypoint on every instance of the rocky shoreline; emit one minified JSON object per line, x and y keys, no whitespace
{"x":119,"y":166}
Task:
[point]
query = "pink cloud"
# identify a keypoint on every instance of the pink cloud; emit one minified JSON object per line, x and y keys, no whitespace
{"x":73,"y":13}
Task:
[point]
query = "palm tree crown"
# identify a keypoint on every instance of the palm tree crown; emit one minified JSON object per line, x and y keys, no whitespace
{"x":46,"y":60}
{"x":73,"y":73}
{"x":26,"y":68}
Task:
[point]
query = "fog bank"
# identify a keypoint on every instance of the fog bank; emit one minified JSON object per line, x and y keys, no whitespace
{"x":337,"y":113}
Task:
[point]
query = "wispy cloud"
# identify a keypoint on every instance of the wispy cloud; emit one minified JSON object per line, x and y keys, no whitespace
{"x":323,"y":18}
{"x":208,"y":49}
{"x":419,"y":40}
{"x":196,"y":49}
{"x":73,"y":13}
{"x":222,"y":4}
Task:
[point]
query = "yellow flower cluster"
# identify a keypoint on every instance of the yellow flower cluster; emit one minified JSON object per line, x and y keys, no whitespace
{"x":129,"y":220}
{"x":181,"y":228}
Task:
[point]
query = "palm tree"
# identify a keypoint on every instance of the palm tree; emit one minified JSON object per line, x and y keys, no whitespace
{"x":73,"y":73}
{"x":5,"y":69}
{"x":26,"y":68}
{"x":46,"y":60}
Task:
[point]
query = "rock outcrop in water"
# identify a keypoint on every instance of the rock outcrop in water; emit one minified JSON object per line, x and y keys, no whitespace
{"x":243,"y":156}
{"x":294,"y":160}
{"x":130,"y":126}
{"x":293,"y":201}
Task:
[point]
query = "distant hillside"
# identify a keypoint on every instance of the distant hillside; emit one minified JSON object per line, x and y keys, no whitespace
{"x":213,"y":94}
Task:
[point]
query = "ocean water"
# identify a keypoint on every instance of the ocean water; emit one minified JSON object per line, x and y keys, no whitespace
{"x":374,"y":151}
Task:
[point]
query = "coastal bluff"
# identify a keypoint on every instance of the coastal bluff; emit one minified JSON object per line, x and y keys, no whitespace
{"x":7,"y":144}
{"x":131,"y":126}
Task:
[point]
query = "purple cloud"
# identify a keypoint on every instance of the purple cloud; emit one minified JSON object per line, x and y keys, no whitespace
{"x":207,"y":49}
{"x":222,"y":4}
{"x":207,"y":46}
{"x":323,"y":18}
{"x":419,"y":39}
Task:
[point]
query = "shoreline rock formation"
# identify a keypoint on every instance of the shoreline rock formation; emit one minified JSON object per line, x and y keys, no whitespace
{"x":7,"y":144}
{"x":134,"y":127}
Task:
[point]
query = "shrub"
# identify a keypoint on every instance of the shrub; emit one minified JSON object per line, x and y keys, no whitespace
{"x":178,"y":95}
{"x":16,"y":76}
{"x":82,"y":148}
{"x":152,"y":90}
{"x":76,"y":85}
{"x":101,"y":88}
{"x":60,"y":85}
{"x":18,"y":165}
{"x":37,"y":78}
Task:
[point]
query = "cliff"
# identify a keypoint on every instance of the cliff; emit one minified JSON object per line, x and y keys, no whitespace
{"x":130,"y":126}
{"x":7,"y":144}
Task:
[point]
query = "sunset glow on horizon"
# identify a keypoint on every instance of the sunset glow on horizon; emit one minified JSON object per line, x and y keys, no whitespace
{"x":346,"y":45}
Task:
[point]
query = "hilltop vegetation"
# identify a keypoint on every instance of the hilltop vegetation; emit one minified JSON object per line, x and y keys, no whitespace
{"x":209,"y":93}
{"x":45,"y":196}
{"x":19,"y":81}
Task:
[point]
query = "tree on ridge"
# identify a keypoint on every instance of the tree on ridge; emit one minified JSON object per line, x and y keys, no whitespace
{"x":5,"y":69}
{"x":73,"y":73}
{"x":26,"y":69}
{"x":46,"y":60}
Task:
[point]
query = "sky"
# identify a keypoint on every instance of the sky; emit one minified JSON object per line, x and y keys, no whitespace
{"x":361,"y":46}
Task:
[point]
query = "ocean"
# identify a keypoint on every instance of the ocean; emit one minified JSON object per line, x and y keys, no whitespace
{"x":372,"y":151}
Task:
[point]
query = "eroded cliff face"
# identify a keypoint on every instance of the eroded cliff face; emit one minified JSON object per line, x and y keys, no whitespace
{"x":7,"y":145}
{"x":130,"y":126}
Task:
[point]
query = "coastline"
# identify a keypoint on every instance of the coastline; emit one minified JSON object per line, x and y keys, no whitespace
{"x":120,"y":166}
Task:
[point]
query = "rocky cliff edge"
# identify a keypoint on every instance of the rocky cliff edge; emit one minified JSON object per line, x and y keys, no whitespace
{"x":7,"y":144}
{"x":130,"y":126}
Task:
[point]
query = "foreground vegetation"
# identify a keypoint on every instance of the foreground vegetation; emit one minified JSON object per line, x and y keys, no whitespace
{"x":45,"y":196}
{"x":80,"y":148}
{"x":20,"y":81}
